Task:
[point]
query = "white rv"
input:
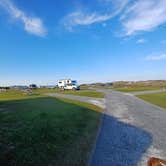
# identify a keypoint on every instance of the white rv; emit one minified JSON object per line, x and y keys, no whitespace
{"x":68,"y":84}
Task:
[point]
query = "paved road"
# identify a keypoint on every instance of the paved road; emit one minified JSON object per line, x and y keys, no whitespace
{"x":132,"y":130}
{"x":148,"y":92}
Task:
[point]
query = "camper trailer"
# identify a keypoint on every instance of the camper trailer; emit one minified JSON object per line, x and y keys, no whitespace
{"x":68,"y":84}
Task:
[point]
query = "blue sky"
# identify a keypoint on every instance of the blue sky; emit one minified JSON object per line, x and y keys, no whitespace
{"x":95,"y":41}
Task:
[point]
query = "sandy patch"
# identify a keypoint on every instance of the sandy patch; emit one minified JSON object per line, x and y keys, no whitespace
{"x":100,"y":103}
{"x":121,"y":113}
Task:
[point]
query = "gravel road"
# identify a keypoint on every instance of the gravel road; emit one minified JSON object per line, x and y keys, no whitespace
{"x":96,"y":101}
{"x":148,"y":92}
{"x":132,"y":130}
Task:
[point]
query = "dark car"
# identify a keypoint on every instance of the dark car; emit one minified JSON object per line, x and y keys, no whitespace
{"x":33,"y":86}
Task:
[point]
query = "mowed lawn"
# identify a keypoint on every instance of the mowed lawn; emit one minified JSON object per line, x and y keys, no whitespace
{"x":38,"y":130}
{"x":155,"y":98}
{"x":82,"y":92}
{"x":136,"y":89}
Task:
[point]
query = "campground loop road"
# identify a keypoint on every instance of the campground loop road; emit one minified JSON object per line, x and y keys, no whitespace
{"x":96,"y":101}
{"x":132,"y":130}
{"x":148,"y":92}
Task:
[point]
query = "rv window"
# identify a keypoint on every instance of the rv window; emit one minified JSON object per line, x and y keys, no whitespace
{"x":60,"y":82}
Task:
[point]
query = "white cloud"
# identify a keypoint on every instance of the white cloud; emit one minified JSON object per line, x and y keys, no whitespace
{"x":85,"y":18}
{"x":156,"y":57}
{"x":80,"y":18}
{"x":141,"y":41}
{"x":33,"y":25}
{"x":136,"y":16}
{"x":144,"y":16}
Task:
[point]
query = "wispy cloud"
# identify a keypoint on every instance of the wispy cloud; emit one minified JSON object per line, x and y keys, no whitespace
{"x":135,"y":15}
{"x":141,"y":41}
{"x":144,"y":16}
{"x":156,"y":57}
{"x":86,"y":18}
{"x":33,"y":25}
{"x":81,"y":18}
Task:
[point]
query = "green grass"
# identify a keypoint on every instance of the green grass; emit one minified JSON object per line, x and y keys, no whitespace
{"x":83,"y":92}
{"x":155,"y":98}
{"x":37,"y":130}
{"x":136,"y":89}
{"x":12,"y":95}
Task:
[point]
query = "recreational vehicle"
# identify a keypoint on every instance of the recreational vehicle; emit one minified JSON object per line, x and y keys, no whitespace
{"x":68,"y":84}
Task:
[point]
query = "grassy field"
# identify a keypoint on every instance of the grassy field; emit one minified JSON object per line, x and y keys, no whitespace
{"x":136,"y":89}
{"x":83,"y":92}
{"x":38,"y":130}
{"x":155,"y":98}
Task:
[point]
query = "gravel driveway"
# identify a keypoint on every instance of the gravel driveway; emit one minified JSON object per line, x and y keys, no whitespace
{"x":132,"y":130}
{"x":96,"y":101}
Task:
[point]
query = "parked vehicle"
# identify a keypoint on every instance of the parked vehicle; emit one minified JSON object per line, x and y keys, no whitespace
{"x":33,"y":86}
{"x":68,"y":84}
